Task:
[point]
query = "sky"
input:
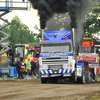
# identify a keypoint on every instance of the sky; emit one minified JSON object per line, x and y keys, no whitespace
{"x":28,"y":17}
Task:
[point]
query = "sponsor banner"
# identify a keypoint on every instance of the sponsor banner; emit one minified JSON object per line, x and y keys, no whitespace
{"x":56,"y":55}
{"x":57,"y":36}
{"x":86,"y":59}
{"x":88,"y":54}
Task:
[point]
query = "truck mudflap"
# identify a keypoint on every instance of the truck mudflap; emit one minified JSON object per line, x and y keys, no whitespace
{"x":58,"y":72}
{"x":79,"y":69}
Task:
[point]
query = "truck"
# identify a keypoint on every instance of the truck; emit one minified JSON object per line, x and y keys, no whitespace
{"x":34,"y":51}
{"x":89,"y":55}
{"x":58,"y":57}
{"x":21,"y":52}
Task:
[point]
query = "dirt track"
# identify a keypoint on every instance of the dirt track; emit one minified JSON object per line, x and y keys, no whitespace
{"x":34,"y":90}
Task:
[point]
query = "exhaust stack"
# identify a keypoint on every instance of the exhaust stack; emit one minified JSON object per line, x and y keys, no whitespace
{"x":42,"y":33}
{"x":73,"y":40}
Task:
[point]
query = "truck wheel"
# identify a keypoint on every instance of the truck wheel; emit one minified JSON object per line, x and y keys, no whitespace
{"x":43,"y":80}
{"x":89,"y":77}
{"x":82,"y":79}
{"x":74,"y":77}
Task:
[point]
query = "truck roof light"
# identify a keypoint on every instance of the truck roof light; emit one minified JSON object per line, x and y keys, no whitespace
{"x":19,"y":43}
{"x":28,"y":43}
{"x":43,"y":39}
{"x":86,"y":38}
{"x":94,"y":38}
{"x":31,"y":47}
{"x":66,"y":38}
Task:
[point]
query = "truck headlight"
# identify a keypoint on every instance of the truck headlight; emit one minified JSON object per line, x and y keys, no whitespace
{"x":64,"y":57}
{"x":44,"y":67}
{"x":65,"y":65}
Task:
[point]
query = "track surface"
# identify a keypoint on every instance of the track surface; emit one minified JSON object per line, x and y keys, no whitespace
{"x":34,"y":90}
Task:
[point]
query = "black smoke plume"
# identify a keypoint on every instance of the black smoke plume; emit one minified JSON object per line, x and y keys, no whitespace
{"x":46,"y":9}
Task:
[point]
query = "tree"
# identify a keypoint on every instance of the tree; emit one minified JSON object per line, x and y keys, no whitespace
{"x":20,"y":32}
{"x":39,"y":35}
{"x":92,"y":24}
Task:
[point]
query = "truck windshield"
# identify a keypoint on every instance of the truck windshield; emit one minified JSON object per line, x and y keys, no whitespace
{"x":56,"y":48}
{"x":31,"y":52}
{"x":19,"y":52}
{"x":85,"y":49}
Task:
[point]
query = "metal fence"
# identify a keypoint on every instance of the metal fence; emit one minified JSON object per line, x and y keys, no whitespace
{"x":14,"y":5}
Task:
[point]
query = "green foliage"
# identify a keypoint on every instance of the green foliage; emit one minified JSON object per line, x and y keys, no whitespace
{"x":20,"y":32}
{"x":92,"y":24}
{"x":39,"y":35}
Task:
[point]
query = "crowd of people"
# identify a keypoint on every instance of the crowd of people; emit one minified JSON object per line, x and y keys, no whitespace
{"x":28,"y":68}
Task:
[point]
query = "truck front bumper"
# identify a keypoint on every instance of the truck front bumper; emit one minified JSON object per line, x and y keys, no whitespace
{"x":56,"y":72}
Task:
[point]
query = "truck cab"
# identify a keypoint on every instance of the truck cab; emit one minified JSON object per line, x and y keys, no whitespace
{"x":20,"y":52}
{"x":34,"y":52}
{"x":56,"y":57}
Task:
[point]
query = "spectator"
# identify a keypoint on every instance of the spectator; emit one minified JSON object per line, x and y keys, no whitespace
{"x":28,"y":66}
{"x":37,"y":67}
{"x":19,"y":69}
{"x":23,"y":67}
{"x":33,"y":66}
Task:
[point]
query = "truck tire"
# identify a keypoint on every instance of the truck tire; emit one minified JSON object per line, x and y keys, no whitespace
{"x":82,"y":79}
{"x":86,"y":68}
{"x":43,"y":80}
{"x":90,"y":77}
{"x":74,"y":77}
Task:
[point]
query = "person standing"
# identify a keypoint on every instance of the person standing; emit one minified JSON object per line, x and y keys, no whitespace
{"x":19,"y":69}
{"x":37,"y":67}
{"x":28,"y":66}
{"x":23,"y":67}
{"x":33,"y":66}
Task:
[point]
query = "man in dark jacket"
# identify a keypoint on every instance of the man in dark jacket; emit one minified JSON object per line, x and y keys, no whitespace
{"x":33,"y":67}
{"x":19,"y":69}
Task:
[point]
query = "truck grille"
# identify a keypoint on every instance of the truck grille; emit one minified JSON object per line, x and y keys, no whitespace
{"x":57,"y":61}
{"x":55,"y":67}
